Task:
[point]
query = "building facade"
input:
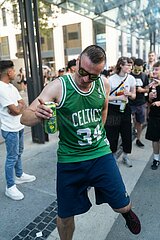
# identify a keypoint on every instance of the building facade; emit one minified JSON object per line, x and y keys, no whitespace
{"x":66,"y":34}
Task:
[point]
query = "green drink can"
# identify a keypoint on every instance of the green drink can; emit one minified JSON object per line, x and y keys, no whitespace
{"x":50,"y":125}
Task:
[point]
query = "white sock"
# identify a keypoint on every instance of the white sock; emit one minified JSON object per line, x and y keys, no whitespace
{"x":156,"y":157}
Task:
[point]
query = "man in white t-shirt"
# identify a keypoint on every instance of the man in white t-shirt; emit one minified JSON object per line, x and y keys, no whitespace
{"x":11,"y":108}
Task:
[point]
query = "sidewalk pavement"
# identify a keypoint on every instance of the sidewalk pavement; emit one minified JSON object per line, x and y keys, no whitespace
{"x":36,"y":214}
{"x":98,"y":222}
{"x":22,"y":220}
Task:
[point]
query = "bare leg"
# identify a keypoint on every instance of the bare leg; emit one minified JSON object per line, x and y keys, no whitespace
{"x":124,"y":209}
{"x":65,"y":228}
{"x":156,"y":148}
{"x":139,"y":129}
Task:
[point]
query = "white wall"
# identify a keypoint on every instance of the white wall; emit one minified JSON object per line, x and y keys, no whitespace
{"x":140,"y":48}
{"x":58,"y":47}
{"x":111,"y":45}
{"x":86,"y":36}
{"x":86,"y":33}
{"x":134,"y":54}
{"x":10,"y":30}
{"x":124,"y":44}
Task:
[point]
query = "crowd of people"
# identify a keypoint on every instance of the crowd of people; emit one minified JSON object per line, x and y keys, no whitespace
{"x":94,"y":107}
{"x":49,"y":75}
{"x":140,"y":107}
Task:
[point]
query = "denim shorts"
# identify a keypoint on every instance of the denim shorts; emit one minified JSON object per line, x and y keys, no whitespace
{"x":73,"y":180}
{"x":139,"y":112}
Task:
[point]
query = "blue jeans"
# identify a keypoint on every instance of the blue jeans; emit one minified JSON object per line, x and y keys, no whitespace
{"x":14,"y":146}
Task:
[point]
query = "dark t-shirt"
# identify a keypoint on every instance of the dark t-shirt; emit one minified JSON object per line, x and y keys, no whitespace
{"x":141,"y":81}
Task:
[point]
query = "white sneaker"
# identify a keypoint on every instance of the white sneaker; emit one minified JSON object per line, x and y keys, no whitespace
{"x":14,"y":193}
{"x":25,"y":178}
{"x":127,"y":161}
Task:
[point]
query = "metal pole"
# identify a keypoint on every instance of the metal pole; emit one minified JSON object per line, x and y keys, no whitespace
{"x":38,"y":42}
{"x":39,"y":49}
{"x":152,"y":41}
{"x":34,"y":85}
{"x":24,"y":37}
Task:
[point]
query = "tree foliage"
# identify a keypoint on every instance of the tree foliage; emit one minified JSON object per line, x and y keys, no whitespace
{"x":45,"y":12}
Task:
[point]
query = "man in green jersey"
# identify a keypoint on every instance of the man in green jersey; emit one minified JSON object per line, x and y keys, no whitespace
{"x":84,"y":155}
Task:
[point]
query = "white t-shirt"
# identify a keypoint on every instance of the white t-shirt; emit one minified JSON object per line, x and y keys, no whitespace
{"x":9,"y":95}
{"x":115,"y":80}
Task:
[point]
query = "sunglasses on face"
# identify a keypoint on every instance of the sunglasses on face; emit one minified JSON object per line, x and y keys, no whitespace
{"x":82,"y":72}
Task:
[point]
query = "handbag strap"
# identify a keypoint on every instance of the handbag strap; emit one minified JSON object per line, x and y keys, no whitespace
{"x":119,"y":85}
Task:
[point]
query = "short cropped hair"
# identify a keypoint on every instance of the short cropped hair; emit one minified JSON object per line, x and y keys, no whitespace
{"x":157,"y":64}
{"x":138,"y":62}
{"x":71,"y":63}
{"x":5,"y":64}
{"x":95,"y":53}
{"x":152,"y":52}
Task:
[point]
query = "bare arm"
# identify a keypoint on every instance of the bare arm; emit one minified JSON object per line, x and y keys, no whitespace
{"x":105,"y":106}
{"x":116,"y":98}
{"x":157,"y":104}
{"x":142,"y":90}
{"x":37,"y":111}
{"x":16,"y":110}
{"x":131,"y":94}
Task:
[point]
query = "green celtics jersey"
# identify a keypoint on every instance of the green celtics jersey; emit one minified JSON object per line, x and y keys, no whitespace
{"x":79,"y":117}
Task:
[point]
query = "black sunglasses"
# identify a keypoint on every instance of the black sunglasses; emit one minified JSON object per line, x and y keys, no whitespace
{"x":84,"y":73}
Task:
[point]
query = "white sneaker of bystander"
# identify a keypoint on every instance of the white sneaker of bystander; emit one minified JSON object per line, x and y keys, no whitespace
{"x":25,"y":178}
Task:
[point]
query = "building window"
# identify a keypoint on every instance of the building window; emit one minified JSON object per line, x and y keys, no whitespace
{"x":72,"y":35}
{"x":15,"y":14}
{"x":4,"y":19}
{"x":19,"y":43}
{"x":100,"y":34}
{"x":72,"y":39}
{"x":47,"y":40}
{"x":4,"y":48}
